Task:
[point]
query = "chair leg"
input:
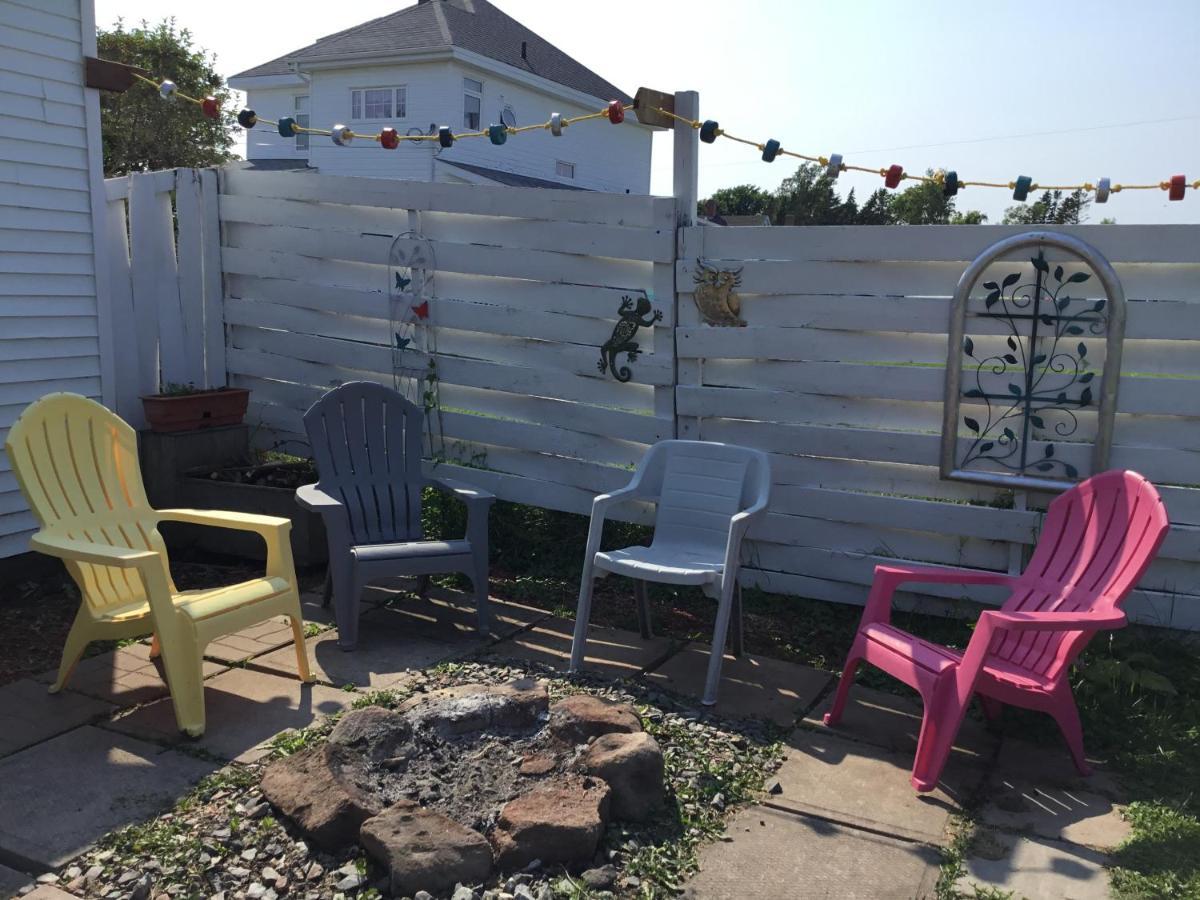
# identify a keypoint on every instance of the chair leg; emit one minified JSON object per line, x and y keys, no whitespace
{"x":327,"y":592}
{"x":583,"y":612}
{"x":347,"y":589}
{"x":155,"y":647}
{"x":423,"y":587}
{"x":992,"y":708}
{"x":185,"y":678}
{"x":78,"y":638}
{"x":298,"y":639}
{"x":736,"y":626}
{"x":479,"y":578}
{"x":720,"y":633}
{"x":843,"y":689}
{"x":939,"y":727}
{"x":1066,"y":714}
{"x":643,"y":608}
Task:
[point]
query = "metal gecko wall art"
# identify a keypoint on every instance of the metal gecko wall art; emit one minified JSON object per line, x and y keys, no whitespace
{"x":631,"y":316}
{"x":1047,"y":355}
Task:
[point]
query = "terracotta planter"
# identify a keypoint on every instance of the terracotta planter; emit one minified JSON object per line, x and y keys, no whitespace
{"x":203,"y":409}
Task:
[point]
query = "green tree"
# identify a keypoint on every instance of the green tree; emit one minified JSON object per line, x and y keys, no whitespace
{"x":970,"y":217}
{"x":742,"y":200}
{"x":140,"y":130}
{"x":877,"y":210}
{"x":1052,"y":208}
{"x":809,"y":198}
{"x":925,"y":203}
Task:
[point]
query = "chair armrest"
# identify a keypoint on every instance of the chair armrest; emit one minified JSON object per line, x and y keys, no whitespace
{"x":223,"y":518}
{"x":465,"y":492}
{"x":312,"y":498}
{"x":1055,"y":621}
{"x":86,"y":551}
{"x":888,"y":578}
{"x":602,"y":502}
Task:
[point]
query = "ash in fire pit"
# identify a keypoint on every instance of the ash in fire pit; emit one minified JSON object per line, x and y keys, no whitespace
{"x":461,"y":781}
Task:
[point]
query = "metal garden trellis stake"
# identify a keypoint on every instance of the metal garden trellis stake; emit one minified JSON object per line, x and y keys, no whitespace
{"x":1043,"y":371}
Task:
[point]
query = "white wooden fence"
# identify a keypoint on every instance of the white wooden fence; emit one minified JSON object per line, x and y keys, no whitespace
{"x":838,"y":374}
{"x":164,"y":252}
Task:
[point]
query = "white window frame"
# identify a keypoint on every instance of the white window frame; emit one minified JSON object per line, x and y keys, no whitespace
{"x":302,"y":119}
{"x":560,"y":164}
{"x":474,"y":94}
{"x":398,"y":104}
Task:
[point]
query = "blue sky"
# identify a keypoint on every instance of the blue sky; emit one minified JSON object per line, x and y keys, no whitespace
{"x":927,"y":84}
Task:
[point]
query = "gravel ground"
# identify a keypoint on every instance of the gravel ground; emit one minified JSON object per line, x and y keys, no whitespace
{"x":223,"y":842}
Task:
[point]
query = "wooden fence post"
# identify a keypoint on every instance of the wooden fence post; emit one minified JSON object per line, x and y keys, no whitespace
{"x":189,"y":217}
{"x":213,"y":294}
{"x":687,"y":157}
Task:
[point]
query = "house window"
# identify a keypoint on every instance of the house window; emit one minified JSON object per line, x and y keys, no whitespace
{"x":472,"y":103}
{"x":378,"y":103}
{"x":564,"y":169}
{"x":302,"y":121}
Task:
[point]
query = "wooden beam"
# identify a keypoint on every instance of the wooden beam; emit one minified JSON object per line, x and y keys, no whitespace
{"x":107,"y":75}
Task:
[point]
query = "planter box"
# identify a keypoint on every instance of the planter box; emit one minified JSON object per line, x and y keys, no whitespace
{"x":308,"y":532}
{"x":203,"y":409}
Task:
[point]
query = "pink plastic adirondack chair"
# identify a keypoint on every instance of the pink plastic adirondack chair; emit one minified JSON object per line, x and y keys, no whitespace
{"x":1097,"y":540}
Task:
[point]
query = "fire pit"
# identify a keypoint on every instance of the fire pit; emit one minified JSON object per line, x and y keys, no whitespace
{"x":460,"y":782}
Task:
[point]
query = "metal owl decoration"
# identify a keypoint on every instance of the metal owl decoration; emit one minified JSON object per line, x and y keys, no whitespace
{"x":715,"y":296}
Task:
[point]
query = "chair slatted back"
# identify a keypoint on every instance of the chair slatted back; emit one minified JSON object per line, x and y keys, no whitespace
{"x":701,"y":486}
{"x":77,"y":465}
{"x":1096,"y":543}
{"x":366,"y":440}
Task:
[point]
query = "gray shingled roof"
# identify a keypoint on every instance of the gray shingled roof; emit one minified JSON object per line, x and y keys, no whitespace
{"x":512,"y":178}
{"x":474,"y":25}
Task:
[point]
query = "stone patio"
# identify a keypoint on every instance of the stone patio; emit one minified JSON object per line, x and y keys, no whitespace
{"x":841,"y":820}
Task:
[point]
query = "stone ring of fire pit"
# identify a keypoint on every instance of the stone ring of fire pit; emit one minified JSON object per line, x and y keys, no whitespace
{"x":465,"y":780}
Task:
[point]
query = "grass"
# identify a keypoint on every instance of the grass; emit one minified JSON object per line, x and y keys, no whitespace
{"x":1138,"y":689}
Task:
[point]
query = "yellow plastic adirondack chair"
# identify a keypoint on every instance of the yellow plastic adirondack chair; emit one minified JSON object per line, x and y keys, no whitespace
{"x":77,"y":465}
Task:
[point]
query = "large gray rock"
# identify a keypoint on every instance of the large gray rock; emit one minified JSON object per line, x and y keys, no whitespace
{"x":452,"y":711}
{"x":581,"y":717}
{"x":375,"y":732}
{"x":313,"y":789}
{"x":425,"y":851}
{"x":632,"y":765}
{"x":559,"y":823}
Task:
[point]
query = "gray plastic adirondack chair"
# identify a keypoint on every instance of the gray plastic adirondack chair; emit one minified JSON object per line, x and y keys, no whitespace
{"x":707,"y":494}
{"x":366,"y":440}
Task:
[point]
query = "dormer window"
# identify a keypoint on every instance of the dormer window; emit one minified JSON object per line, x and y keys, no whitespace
{"x":564,"y":169}
{"x":378,"y":104}
{"x":472,"y":103}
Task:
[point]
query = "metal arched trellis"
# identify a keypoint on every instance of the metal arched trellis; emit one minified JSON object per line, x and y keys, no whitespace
{"x":1030,"y":379}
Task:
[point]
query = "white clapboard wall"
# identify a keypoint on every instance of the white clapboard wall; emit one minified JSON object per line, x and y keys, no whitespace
{"x":839,"y":375}
{"x":161,"y":237}
{"x":526,"y":288}
{"x":52,"y":332}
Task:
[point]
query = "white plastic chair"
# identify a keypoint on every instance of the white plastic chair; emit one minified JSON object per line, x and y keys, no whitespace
{"x":707,"y":494}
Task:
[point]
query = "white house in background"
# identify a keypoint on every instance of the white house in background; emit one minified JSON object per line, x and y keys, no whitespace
{"x":460,"y":63}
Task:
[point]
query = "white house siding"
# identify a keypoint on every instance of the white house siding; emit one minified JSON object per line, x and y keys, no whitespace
{"x":263,"y":141}
{"x":50,"y":331}
{"x":606,"y":157}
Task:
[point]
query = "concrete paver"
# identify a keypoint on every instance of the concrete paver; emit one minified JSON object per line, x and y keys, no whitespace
{"x":610,"y":651}
{"x":28,"y":714}
{"x":750,"y":685}
{"x":1054,"y":768}
{"x":450,"y":615}
{"x":1075,"y":816}
{"x":48,"y":892}
{"x":776,"y":854}
{"x":249,"y":642}
{"x":124,"y":677}
{"x":62,"y":795}
{"x":1035,"y":869}
{"x":385,"y":656}
{"x":868,"y":787}
{"x":893,"y":722}
{"x":244,"y":710}
{"x":11,"y":881}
